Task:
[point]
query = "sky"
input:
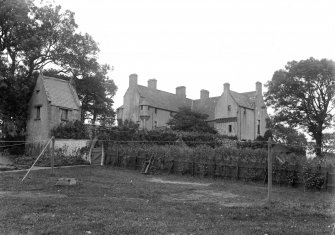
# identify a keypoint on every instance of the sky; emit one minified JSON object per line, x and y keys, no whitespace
{"x":202,"y":44}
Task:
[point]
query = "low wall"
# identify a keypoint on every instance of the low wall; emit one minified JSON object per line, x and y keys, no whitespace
{"x":64,"y":147}
{"x":72,"y":147}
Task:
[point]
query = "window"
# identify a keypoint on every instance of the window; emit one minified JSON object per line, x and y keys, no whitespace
{"x":155,"y":124}
{"x":141,"y":107}
{"x":230,"y":128}
{"x":229,"y":107}
{"x":148,"y":107}
{"x":244,"y":111}
{"x":259,"y":127}
{"x":155,"y":110}
{"x":38,"y":112}
{"x":64,"y":114}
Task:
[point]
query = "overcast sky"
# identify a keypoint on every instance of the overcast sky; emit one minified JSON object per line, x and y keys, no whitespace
{"x":202,"y":44}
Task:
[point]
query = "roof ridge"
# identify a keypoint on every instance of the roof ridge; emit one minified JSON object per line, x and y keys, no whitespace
{"x":166,"y":92}
{"x":54,"y":78}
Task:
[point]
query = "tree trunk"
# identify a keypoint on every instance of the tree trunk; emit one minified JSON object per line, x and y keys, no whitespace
{"x":318,"y":141}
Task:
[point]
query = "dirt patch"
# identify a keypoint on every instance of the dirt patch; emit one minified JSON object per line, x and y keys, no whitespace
{"x":27,"y":194}
{"x":156,"y":180}
{"x":222,"y":198}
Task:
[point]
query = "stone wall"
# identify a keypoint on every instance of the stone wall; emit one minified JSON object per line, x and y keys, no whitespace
{"x":71,"y":147}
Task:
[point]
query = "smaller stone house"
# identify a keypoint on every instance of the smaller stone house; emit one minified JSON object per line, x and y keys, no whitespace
{"x":53,"y":101}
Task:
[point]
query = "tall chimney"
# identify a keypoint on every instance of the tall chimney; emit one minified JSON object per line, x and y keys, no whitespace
{"x":132,"y":80}
{"x":152,"y":83}
{"x":226,"y":87}
{"x":259,"y":88}
{"x":204,"y":94}
{"x":181,"y":91}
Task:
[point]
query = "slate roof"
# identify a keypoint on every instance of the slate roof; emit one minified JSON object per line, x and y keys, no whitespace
{"x":169,"y":101}
{"x":162,"y":99}
{"x":246,"y":99}
{"x":60,"y":93}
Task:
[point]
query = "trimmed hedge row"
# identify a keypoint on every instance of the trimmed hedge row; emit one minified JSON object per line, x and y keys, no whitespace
{"x":209,"y":161}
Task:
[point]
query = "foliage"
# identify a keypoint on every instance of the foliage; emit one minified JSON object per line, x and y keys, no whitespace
{"x":312,"y":176}
{"x":328,"y":142}
{"x":303,"y":95}
{"x":12,"y":146}
{"x":60,"y":160}
{"x":191,"y":121}
{"x":34,"y":37}
{"x":128,"y":131}
{"x":285,"y":134}
{"x":70,"y":130}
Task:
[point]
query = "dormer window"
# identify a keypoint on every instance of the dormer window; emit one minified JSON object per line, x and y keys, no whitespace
{"x":229,"y":107}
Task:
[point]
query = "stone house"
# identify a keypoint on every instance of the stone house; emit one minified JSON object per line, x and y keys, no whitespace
{"x":234,"y":114}
{"x":53,"y":101}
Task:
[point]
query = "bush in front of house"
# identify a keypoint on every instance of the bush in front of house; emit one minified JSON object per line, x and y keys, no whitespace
{"x":70,"y":130}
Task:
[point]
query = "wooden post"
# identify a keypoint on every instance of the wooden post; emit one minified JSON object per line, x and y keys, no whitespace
{"x":52,"y":154}
{"x":269,"y":170}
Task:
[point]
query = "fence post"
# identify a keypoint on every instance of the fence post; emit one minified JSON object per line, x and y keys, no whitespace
{"x":52,"y":154}
{"x":269,"y":170}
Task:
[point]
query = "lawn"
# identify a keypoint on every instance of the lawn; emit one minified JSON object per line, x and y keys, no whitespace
{"x":117,"y":201}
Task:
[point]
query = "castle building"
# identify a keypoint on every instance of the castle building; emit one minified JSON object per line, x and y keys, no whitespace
{"x":234,"y":114}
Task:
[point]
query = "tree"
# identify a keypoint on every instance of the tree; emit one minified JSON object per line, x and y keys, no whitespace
{"x":33,"y":38}
{"x":303,"y":95}
{"x":284,"y":134}
{"x":188,"y":120}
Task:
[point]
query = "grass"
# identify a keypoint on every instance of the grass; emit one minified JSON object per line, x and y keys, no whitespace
{"x":117,"y":201}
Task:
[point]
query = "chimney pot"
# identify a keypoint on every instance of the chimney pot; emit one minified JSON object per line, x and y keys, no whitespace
{"x":132,"y":80}
{"x":181,"y":91}
{"x":259,"y":88}
{"x":226,"y":87}
{"x":152,"y":83}
{"x":204,"y":94}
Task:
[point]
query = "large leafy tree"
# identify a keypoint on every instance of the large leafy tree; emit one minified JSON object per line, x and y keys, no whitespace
{"x":303,"y":95}
{"x":187,"y":120}
{"x":34,"y":38}
{"x":284,"y":134}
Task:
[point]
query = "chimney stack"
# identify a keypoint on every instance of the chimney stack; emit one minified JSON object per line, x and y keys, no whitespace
{"x":226,"y":87}
{"x":204,"y":94}
{"x":132,"y":80}
{"x":259,"y":88}
{"x":152,"y":83}
{"x":181,"y":91}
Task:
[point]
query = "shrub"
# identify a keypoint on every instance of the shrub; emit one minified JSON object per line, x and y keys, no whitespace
{"x":312,"y":176}
{"x":70,"y":130}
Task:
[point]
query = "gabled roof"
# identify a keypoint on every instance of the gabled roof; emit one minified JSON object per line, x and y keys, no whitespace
{"x":246,"y":99}
{"x":162,"y":99}
{"x":60,"y":93}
